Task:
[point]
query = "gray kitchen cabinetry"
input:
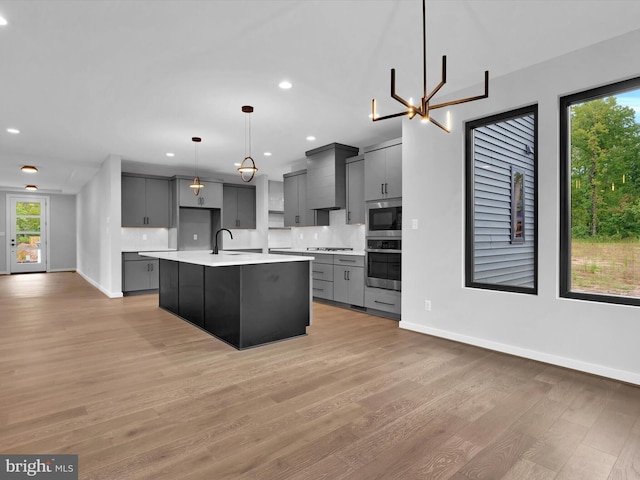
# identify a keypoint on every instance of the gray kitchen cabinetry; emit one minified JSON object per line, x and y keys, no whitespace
{"x":383,"y":170}
{"x":322,"y":273}
{"x":296,"y":213}
{"x":326,"y":176}
{"x":238,"y":206}
{"x":348,"y":279}
{"x":139,"y":273}
{"x":145,"y":202}
{"x":210,"y":195}
{"x":382,"y":300}
{"x":355,"y":190}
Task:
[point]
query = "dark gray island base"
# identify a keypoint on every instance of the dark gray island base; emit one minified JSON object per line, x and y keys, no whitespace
{"x":245,"y":305}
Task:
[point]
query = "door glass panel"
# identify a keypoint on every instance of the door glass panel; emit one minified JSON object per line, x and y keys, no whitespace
{"x":27,"y":230}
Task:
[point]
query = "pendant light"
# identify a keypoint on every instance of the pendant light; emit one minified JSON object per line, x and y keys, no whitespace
{"x":248,"y":167}
{"x":196,"y":185}
{"x":424,"y":108}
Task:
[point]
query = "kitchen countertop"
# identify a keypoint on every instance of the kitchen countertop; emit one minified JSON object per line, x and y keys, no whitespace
{"x":358,"y":253}
{"x":224,"y":258}
{"x":136,"y":250}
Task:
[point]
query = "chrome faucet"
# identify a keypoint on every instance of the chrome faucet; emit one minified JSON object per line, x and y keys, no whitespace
{"x":215,"y":247}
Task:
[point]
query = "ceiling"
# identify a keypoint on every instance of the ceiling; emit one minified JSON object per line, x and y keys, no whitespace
{"x":139,"y":78}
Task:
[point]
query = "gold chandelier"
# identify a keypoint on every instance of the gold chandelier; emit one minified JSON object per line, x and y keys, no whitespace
{"x":423,"y":110}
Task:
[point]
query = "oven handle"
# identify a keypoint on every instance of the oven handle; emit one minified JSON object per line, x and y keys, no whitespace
{"x":381,"y":250}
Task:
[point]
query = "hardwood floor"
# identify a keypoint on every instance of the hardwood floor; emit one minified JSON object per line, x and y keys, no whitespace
{"x":140,"y":394}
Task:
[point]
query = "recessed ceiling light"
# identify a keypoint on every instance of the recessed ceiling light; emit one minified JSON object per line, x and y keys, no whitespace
{"x":3,"y":21}
{"x":29,"y":169}
{"x":285,"y":85}
{"x":30,"y":187}
{"x":15,"y":131}
{"x":267,"y":154}
{"x":311,"y":138}
{"x":169,"y":154}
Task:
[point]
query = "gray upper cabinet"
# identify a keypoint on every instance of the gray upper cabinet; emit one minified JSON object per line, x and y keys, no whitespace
{"x":238,"y":206}
{"x":145,"y":202}
{"x":296,"y":213}
{"x":383,"y":171}
{"x":210,"y":196}
{"x":326,"y":176}
{"x":355,"y":190}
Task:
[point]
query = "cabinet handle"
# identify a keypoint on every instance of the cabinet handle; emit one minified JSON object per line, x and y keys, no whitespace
{"x":344,"y":274}
{"x":297,"y":218}
{"x":385,"y":188}
{"x":349,"y":216}
{"x":318,"y":271}
{"x":346,"y":260}
{"x":348,"y":274}
{"x":319,"y":289}
{"x":385,"y":303}
{"x":382,"y":188}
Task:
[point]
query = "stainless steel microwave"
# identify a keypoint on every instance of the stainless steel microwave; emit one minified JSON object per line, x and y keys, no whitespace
{"x":384,"y":218}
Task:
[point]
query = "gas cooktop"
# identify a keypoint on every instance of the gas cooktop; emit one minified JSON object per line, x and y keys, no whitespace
{"x":329,"y":249}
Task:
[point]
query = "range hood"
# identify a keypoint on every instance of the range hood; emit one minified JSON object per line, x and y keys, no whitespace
{"x":326,"y":188}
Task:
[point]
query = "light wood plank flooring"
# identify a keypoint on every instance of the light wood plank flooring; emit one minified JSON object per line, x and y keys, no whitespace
{"x":140,"y":394}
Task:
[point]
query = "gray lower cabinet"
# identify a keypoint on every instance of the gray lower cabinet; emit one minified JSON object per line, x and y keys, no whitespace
{"x":238,"y":206}
{"x":145,"y":202}
{"x":382,"y":300}
{"x":322,"y":273}
{"x":348,"y":279}
{"x":139,"y":273}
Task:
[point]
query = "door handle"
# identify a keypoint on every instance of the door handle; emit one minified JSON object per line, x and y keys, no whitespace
{"x":385,"y":188}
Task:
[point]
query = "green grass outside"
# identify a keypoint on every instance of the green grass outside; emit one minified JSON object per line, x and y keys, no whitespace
{"x":611,"y":267}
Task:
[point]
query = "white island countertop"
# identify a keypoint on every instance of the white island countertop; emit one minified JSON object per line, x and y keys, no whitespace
{"x":224,"y":258}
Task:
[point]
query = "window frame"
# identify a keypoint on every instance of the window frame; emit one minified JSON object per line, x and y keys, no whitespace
{"x":566,"y":102}
{"x":470,"y":126}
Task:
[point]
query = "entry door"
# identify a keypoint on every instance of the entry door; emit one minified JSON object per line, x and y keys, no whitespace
{"x":28,"y":241}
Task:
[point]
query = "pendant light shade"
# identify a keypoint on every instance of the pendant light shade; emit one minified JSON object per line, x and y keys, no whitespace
{"x":247,"y":168}
{"x":196,"y":185}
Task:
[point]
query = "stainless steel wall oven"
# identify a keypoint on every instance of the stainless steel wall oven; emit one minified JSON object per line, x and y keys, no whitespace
{"x":383,"y":263}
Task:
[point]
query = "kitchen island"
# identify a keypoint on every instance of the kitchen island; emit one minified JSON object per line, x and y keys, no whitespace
{"x":244,"y":299}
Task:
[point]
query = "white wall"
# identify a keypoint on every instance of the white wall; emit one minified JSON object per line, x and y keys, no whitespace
{"x":589,"y":336}
{"x":99,"y":219}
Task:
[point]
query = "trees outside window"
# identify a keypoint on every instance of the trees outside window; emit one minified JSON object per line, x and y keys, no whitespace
{"x":600,"y":169}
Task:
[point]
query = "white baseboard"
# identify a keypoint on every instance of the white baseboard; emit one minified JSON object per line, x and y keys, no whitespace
{"x":99,"y":287}
{"x":4,"y":273}
{"x":61,"y":270}
{"x":603,"y":371}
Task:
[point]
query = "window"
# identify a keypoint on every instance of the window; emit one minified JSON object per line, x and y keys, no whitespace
{"x":501,"y":202}
{"x":600,"y":194}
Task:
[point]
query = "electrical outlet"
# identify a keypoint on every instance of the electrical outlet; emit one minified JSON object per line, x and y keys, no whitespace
{"x":414,"y":223}
{"x":144,"y":236}
{"x":301,"y":236}
{"x":315,"y":236}
{"x":195,"y":236}
{"x":427,"y":305}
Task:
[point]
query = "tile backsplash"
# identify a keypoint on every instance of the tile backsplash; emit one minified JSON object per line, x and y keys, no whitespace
{"x":337,"y":234}
{"x":141,"y":239}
